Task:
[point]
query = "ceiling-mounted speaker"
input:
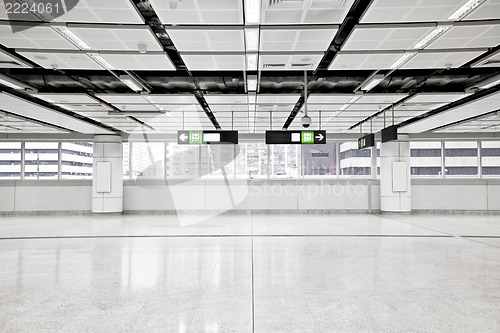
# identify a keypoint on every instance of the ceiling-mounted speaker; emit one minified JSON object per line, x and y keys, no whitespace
{"x":173,"y":4}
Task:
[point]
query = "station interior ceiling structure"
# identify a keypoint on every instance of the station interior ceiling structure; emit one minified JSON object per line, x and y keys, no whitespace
{"x":159,"y":66}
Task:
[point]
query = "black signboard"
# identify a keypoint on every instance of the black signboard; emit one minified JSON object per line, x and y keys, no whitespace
{"x":366,"y":141}
{"x":295,"y":137}
{"x":207,"y":137}
{"x":390,"y":133}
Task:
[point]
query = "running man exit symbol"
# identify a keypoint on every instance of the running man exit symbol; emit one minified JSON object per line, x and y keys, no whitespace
{"x":195,"y":137}
{"x":307,"y":137}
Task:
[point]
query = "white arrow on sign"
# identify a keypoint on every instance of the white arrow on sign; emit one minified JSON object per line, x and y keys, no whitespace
{"x":320,"y":137}
{"x":183,"y":137}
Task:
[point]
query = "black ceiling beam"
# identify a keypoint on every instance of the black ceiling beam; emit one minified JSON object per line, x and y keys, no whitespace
{"x":353,"y":16}
{"x":152,"y":19}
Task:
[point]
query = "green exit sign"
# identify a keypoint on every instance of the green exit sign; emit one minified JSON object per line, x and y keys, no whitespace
{"x":195,"y":137}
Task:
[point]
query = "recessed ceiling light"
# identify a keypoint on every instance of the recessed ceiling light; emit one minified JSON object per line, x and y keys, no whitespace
{"x":305,"y":59}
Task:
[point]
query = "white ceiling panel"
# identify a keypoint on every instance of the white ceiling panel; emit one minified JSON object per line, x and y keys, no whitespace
{"x":277,"y":98}
{"x":182,"y":107}
{"x":228,"y":108}
{"x":410,"y":11}
{"x":122,"y":98}
{"x":9,"y":61}
{"x":487,"y":11}
{"x":375,"y":37}
{"x":210,"y":62}
{"x":117,"y":38}
{"x":492,"y":60}
{"x":18,"y":17}
{"x":296,"y":61}
{"x":135,"y":107}
{"x":100,"y":11}
{"x":226,"y":99}
{"x":36,"y":37}
{"x":440,"y":59}
{"x":175,"y":99}
{"x":147,"y":61}
{"x":208,"y":39}
{"x":381,"y":98}
{"x":213,"y":12}
{"x":31,"y":110}
{"x":436,"y":97}
{"x":371,"y":61}
{"x":66,"y":98}
{"x":86,"y":107}
{"x":296,"y":40}
{"x":468,"y":36}
{"x":61,"y":59}
{"x":471,"y":109}
{"x":305,"y":12}
{"x":329,"y":98}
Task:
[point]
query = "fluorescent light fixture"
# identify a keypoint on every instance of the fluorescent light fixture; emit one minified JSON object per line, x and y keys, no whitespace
{"x":71,"y":37}
{"x":251,"y":61}
{"x":252,"y":39}
{"x":101,"y":61}
{"x":252,"y":99}
{"x":11,"y":82}
{"x":133,"y":113}
{"x":488,"y":83}
{"x":251,"y":82}
{"x":432,"y":36}
{"x":465,"y":10}
{"x":401,"y":61}
{"x":148,"y":99}
{"x":252,"y":11}
{"x":131,"y":83}
{"x":372,"y":83}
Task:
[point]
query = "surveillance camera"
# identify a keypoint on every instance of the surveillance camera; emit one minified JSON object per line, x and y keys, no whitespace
{"x":306,"y":121}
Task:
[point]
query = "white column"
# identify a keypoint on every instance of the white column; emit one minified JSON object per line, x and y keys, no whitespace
{"x":107,"y":181}
{"x":395,"y":185}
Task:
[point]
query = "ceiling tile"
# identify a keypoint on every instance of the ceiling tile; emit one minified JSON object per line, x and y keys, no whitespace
{"x":211,"y":62}
{"x":41,"y":37}
{"x":147,"y":61}
{"x":360,"y":61}
{"x":99,"y":11}
{"x":61,"y":59}
{"x":212,"y":12}
{"x":468,"y":36}
{"x":375,"y":37}
{"x":117,"y":38}
{"x":305,"y":12}
{"x":272,"y":39}
{"x":440,"y":59}
{"x":295,"y":61}
{"x":207,"y":39}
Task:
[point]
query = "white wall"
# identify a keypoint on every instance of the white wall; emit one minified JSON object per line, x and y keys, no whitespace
{"x":456,"y":194}
{"x":199,"y":195}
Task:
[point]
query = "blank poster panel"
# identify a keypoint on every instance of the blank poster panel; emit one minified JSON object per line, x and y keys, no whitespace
{"x":103,"y":177}
{"x":399,"y":177}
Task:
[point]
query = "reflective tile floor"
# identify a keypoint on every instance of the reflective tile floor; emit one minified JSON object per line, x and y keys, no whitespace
{"x":250,"y":273}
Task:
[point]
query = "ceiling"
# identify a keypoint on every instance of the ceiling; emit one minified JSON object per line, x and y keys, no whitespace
{"x":159,"y":66}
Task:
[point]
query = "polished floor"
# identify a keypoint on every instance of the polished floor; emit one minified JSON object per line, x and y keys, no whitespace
{"x":250,"y":273}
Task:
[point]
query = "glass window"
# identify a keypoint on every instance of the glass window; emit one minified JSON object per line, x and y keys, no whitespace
{"x":10,"y":160}
{"x":461,"y":158}
{"x":41,"y":160}
{"x":148,"y":159}
{"x":76,"y":160}
{"x":425,"y":158}
{"x":319,"y":159}
{"x":285,"y":161}
{"x":220,"y":161}
{"x":256,"y":157}
{"x":183,"y":161}
{"x":354,"y":161}
{"x":490,"y":158}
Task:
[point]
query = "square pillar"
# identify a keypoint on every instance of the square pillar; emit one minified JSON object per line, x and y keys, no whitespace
{"x":107,"y":180}
{"x":395,"y":183}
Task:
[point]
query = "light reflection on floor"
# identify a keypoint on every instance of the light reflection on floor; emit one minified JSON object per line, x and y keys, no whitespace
{"x":244,"y":273}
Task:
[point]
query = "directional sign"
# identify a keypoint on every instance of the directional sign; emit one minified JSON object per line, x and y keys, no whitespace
{"x":295,"y":137}
{"x":207,"y":137}
{"x":366,"y":141}
{"x":390,"y":133}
